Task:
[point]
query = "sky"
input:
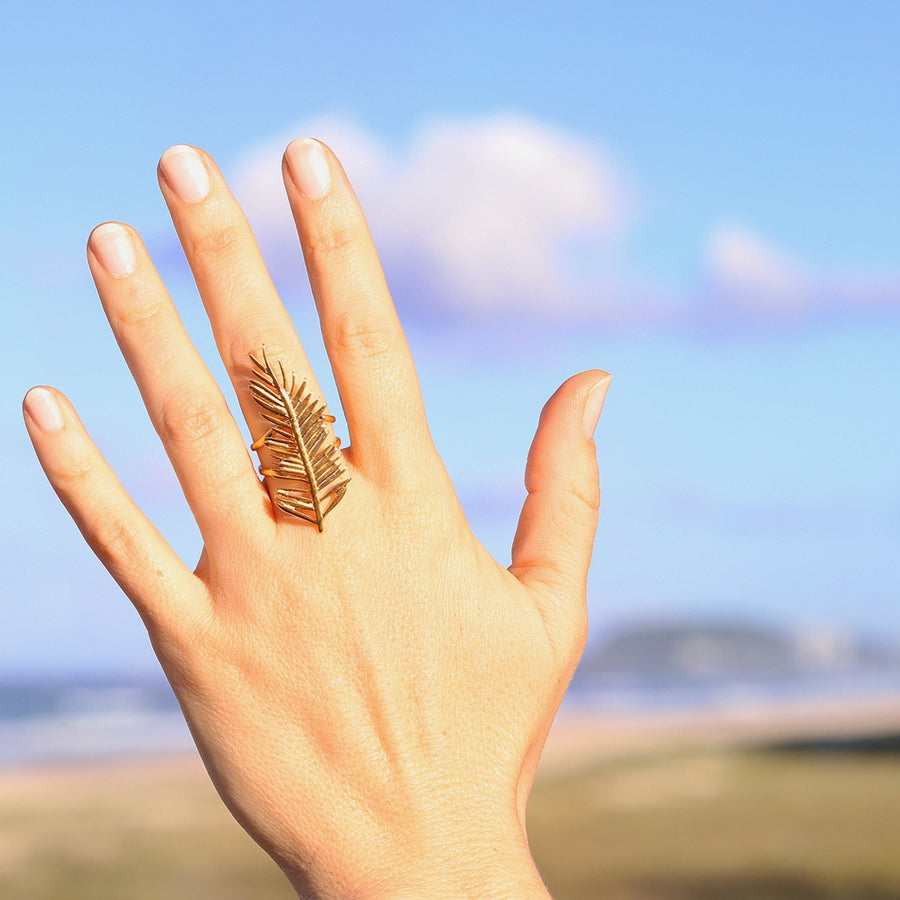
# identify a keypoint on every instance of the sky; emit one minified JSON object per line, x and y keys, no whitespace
{"x":700,"y":197}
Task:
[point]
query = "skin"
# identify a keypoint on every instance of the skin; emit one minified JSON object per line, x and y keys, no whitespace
{"x":370,"y":702}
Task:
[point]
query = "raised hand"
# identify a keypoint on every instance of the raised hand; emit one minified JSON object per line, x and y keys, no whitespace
{"x":370,"y":701}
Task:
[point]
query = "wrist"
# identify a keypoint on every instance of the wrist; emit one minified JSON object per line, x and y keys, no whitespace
{"x":485,"y":870}
{"x":507,"y":882}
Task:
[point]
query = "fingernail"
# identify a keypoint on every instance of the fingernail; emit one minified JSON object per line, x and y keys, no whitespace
{"x":185,"y":173}
{"x":593,"y":405}
{"x":43,"y":410}
{"x":308,"y":167}
{"x":112,"y":246}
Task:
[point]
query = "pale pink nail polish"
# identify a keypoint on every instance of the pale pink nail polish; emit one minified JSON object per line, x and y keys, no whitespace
{"x":185,"y":173}
{"x":113,"y":247}
{"x":308,"y":167}
{"x":43,"y":410}
{"x":593,"y":405}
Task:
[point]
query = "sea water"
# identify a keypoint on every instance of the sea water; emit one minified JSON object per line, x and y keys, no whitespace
{"x":55,"y":719}
{"x":62,"y":719}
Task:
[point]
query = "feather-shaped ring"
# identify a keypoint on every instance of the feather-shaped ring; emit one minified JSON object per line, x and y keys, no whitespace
{"x":306,"y":457}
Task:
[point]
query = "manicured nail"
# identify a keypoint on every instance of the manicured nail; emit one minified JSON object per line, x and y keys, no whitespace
{"x":308,"y":167}
{"x":593,"y":405}
{"x":112,"y":245}
{"x":43,"y":410}
{"x":185,"y":173}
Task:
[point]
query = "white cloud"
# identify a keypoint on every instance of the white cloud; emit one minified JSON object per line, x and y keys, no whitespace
{"x":749,"y":277}
{"x":473,"y":216}
{"x":754,"y":276}
{"x":256,"y":181}
{"x":506,"y":214}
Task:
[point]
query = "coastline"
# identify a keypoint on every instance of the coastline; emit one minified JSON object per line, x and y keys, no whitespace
{"x":581,"y":736}
{"x":128,"y":827}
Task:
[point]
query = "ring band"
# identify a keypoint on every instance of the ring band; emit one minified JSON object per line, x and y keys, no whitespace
{"x":305,"y":454}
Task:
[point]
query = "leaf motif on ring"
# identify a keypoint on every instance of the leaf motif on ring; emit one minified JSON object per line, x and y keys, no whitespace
{"x":305,"y":454}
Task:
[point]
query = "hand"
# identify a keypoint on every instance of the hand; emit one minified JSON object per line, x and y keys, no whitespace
{"x":370,"y":701}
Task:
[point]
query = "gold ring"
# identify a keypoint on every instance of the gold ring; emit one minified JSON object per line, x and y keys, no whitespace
{"x":305,"y":454}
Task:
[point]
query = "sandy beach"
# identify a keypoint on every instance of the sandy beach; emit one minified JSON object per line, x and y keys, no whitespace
{"x":579,"y":738}
{"x":610,"y":788}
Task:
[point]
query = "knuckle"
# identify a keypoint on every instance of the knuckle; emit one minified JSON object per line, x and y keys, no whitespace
{"x":330,"y":243}
{"x":74,"y":474}
{"x":189,"y":419}
{"x":139,"y":310}
{"x":583,"y":492}
{"x":218,"y":243}
{"x":571,"y":517}
{"x":361,"y":337}
{"x":577,"y":499}
{"x":116,"y":538}
{"x":589,"y":497}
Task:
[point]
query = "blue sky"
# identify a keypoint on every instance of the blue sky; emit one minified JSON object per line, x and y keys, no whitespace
{"x":701,"y":197}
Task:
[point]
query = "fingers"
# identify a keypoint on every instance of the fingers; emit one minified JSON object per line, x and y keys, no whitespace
{"x":184,"y":402}
{"x":554,"y":540}
{"x":133,"y":551}
{"x":242,"y":304}
{"x":363,"y":337}
{"x":365,"y":342}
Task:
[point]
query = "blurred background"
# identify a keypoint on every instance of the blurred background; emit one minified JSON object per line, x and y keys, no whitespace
{"x":700,"y":197}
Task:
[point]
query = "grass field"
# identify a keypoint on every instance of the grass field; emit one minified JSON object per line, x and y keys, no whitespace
{"x":763,"y":825}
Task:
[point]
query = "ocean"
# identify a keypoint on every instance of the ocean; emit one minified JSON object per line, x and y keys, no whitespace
{"x":66,"y":719}
{"x":70,"y":719}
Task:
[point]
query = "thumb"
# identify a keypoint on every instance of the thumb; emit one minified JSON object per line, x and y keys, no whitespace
{"x":552,"y":548}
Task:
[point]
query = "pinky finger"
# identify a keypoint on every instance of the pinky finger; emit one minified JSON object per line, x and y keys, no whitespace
{"x":161,"y":587}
